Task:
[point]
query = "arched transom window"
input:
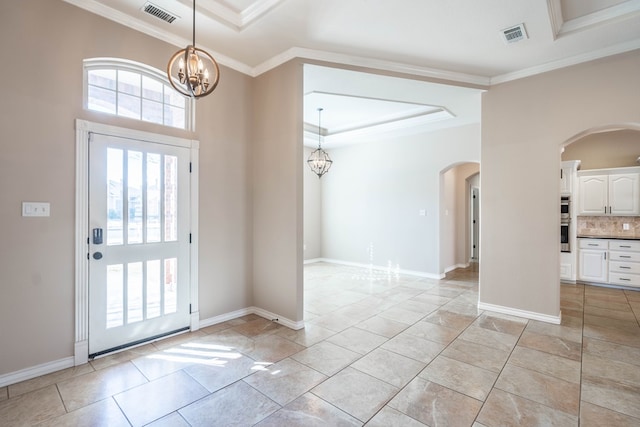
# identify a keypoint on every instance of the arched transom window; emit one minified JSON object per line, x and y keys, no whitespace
{"x":134,"y":90}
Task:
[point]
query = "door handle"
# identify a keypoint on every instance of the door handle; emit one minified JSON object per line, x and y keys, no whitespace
{"x":97,"y":255}
{"x":97,"y":236}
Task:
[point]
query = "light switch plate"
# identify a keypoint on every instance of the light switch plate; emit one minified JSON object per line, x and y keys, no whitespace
{"x":36,"y":209}
{"x":625,"y":226}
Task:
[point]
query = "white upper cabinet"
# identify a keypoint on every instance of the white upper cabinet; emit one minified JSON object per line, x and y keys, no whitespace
{"x":593,"y":192}
{"x":624,"y":194}
{"x":607,"y":192}
{"x":567,"y":176}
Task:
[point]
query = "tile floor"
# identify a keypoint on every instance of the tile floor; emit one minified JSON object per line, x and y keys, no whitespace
{"x":378,"y":349}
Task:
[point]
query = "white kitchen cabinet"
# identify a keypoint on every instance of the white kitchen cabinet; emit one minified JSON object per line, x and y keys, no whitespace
{"x":593,"y":266}
{"x":614,"y":262}
{"x":568,"y":171}
{"x":624,"y":263}
{"x":624,"y":194}
{"x":592,"y":260}
{"x":593,"y":191}
{"x":609,"y":193}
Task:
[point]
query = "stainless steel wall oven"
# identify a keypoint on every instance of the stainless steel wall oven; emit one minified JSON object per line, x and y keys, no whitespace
{"x":565,"y":223}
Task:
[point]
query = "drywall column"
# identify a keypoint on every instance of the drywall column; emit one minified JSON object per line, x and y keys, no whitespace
{"x":524,"y":123}
{"x":277,"y":192}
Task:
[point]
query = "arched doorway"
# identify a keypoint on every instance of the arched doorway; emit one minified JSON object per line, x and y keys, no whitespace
{"x":597,"y":151}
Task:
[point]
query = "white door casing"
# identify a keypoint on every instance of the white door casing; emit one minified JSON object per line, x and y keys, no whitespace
{"x":85,"y":247}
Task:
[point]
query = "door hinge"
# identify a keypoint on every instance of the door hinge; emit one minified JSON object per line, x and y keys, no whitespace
{"x":189,"y":237}
{"x":190,"y":167}
{"x":190,"y":309}
{"x":87,"y":255}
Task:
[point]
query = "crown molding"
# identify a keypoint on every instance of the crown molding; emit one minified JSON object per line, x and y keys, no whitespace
{"x":359,"y":61}
{"x":611,"y":14}
{"x":237,"y":21}
{"x":567,"y":62}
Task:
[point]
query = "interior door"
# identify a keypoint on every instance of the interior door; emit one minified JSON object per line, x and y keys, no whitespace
{"x":138,"y":241}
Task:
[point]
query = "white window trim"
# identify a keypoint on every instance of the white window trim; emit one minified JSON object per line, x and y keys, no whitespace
{"x":83,"y":128}
{"x":136,"y":67}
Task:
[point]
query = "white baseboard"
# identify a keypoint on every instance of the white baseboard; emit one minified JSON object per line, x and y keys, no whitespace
{"x":252,"y":310}
{"x":455,"y":267}
{"x":36,"y":371}
{"x":224,"y":317}
{"x":521,"y":313}
{"x":313,"y":260}
{"x":277,"y":318}
{"x":384,"y":268}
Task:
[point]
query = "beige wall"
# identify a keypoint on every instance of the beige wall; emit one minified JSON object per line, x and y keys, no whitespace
{"x":524,"y":123}
{"x":277,"y":134}
{"x":614,"y":149}
{"x":41,"y":88}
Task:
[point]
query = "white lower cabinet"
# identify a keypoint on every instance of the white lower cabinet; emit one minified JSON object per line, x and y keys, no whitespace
{"x":614,"y":262}
{"x":593,"y":265}
{"x":624,"y":263}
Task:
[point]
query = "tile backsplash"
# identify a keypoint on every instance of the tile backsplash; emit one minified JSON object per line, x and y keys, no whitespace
{"x":608,"y":226}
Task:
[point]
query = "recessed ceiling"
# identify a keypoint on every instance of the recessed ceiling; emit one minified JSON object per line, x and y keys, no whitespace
{"x":362,"y":107}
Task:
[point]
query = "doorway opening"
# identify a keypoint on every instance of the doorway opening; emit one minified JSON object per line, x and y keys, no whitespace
{"x":459,"y":217}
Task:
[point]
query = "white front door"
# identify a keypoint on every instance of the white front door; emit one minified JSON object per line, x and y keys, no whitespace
{"x":138,"y":241}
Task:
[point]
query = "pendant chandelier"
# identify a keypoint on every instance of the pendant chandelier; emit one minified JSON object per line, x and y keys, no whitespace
{"x":192,"y":71}
{"x":319,"y":160}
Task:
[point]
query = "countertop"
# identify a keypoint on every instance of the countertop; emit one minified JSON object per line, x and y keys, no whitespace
{"x":610,"y":237}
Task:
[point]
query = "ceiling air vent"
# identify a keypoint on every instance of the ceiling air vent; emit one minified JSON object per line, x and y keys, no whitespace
{"x":514,"y":34}
{"x":158,"y":12}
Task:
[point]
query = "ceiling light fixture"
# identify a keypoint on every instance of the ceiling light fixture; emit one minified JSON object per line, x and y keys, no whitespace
{"x":319,"y":160}
{"x":190,"y":69}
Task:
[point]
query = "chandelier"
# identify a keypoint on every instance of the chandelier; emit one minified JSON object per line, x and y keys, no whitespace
{"x":319,"y":160}
{"x":192,"y":71}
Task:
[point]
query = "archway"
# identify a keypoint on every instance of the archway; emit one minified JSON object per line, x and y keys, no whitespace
{"x":600,"y":149}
